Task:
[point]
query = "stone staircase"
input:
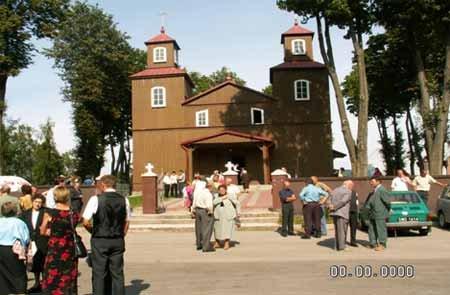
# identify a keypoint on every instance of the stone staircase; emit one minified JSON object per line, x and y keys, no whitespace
{"x":257,"y":220}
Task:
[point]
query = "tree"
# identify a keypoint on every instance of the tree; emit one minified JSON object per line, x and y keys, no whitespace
{"x":20,"y":22}
{"x":69,"y":163}
{"x":267,"y":90}
{"x":204,"y":82}
{"x":48,"y":162}
{"x":356,"y":18}
{"x":426,"y":27}
{"x":95,"y":60}
{"x":19,"y":150}
{"x":392,"y":93}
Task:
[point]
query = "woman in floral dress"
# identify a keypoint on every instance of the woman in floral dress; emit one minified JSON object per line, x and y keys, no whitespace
{"x":61,"y":265}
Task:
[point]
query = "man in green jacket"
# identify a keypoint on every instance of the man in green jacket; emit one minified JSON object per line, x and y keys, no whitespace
{"x":379,"y":207}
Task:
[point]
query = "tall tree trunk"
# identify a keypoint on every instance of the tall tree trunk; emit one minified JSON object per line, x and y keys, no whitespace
{"x":113,"y":158}
{"x":412,"y":152}
{"x":434,"y":135}
{"x":398,"y":148}
{"x":326,"y":51}
{"x":416,"y":140}
{"x":3,"y":80}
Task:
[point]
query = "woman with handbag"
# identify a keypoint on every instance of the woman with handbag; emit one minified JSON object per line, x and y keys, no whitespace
{"x":14,"y":237}
{"x":226,"y":213}
{"x":61,"y":264}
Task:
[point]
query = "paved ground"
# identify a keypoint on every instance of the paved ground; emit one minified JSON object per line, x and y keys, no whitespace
{"x":265,"y":263}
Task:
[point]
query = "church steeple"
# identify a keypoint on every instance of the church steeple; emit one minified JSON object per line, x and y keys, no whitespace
{"x":162,"y":51}
{"x":297,"y":43}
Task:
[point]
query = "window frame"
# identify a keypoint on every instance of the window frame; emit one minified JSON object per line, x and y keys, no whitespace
{"x":253,"y":117}
{"x":197,"y":116}
{"x":308,"y":92}
{"x":164,"y":57}
{"x":164,"y":104}
{"x":302,"y":41}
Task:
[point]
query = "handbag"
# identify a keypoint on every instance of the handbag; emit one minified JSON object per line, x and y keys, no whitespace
{"x":80,"y":248}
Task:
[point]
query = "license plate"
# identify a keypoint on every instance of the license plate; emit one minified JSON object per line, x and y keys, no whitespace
{"x":403,"y":219}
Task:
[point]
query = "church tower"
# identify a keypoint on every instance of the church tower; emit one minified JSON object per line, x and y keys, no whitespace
{"x":162,"y":51}
{"x":301,"y":86}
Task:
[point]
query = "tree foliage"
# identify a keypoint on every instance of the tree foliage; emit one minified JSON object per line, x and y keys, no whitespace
{"x":204,"y":82}
{"x":20,"y":22}
{"x":95,"y":60}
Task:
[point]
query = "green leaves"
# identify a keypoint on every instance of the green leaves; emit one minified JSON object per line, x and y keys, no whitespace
{"x":204,"y":82}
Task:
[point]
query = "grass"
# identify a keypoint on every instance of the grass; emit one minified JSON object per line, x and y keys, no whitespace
{"x":135,"y":201}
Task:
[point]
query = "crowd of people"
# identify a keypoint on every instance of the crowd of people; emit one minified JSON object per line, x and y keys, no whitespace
{"x":342,"y":205}
{"x":38,"y":235}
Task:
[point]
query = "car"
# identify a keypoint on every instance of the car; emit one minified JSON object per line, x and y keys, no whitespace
{"x":443,"y":208}
{"x":408,"y":212}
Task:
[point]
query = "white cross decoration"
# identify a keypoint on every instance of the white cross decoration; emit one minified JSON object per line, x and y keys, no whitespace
{"x":149,"y":171}
{"x":230,"y":166}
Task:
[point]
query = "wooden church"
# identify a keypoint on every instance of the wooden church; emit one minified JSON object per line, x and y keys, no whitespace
{"x":173,"y":130}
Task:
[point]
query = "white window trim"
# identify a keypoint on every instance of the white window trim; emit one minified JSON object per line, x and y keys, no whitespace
{"x":307,"y":90}
{"x":303,"y":46}
{"x":253,"y":118}
{"x":163,"y":94}
{"x":164,"y":59}
{"x":197,"y":115}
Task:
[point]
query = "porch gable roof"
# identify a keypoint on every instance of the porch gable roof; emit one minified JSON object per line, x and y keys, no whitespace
{"x":227,"y":136}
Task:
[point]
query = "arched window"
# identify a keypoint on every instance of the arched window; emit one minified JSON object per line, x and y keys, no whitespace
{"x":301,"y":89}
{"x":257,"y":116}
{"x":158,"y":97}
{"x":298,"y":47}
{"x":159,"y":54}
{"x":201,"y":118}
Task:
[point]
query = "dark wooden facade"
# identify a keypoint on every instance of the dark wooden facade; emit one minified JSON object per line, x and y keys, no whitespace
{"x":295,"y":134}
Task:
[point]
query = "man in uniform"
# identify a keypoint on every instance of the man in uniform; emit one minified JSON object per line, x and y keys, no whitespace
{"x":379,"y":207}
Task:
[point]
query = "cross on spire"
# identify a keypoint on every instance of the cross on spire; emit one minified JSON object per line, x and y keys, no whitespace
{"x":163,"y":16}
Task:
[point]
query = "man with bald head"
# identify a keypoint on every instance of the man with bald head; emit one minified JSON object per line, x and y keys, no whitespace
{"x":340,"y":210}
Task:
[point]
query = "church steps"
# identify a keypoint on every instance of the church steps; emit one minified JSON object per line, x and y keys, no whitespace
{"x":141,"y":220}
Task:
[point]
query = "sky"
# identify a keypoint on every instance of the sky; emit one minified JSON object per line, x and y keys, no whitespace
{"x":240,"y":34}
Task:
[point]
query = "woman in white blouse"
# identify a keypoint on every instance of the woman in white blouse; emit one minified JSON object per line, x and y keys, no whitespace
{"x":400,"y":183}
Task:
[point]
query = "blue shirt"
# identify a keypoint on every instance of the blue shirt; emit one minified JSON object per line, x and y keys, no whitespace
{"x":312,"y":193}
{"x":285,"y":193}
{"x":13,"y":229}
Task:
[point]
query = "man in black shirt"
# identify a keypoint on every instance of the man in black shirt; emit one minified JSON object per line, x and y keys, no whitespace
{"x":287,"y":197}
{"x":353,"y":218}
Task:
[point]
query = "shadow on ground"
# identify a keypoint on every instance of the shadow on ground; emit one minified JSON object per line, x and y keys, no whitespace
{"x":136,"y":288}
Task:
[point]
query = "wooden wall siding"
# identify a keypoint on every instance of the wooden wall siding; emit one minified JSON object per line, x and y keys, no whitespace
{"x":169,"y":52}
{"x":230,"y":94}
{"x":288,"y":48}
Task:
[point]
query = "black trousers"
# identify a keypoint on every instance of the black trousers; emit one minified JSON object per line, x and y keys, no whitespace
{"x":287,"y":212}
{"x":353,"y":222}
{"x":204,"y":224}
{"x":166,"y":190}
{"x":13,"y":273}
{"x":173,"y":190}
{"x":311,"y":216}
{"x":107,"y":266}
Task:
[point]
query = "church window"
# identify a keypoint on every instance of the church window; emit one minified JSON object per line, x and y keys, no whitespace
{"x":201,"y":119}
{"x":301,"y":88}
{"x":257,"y":116}
{"x":158,"y":97}
{"x":298,"y":47}
{"x":159,"y":54}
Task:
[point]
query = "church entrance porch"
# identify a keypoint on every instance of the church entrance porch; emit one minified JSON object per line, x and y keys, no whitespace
{"x":210,"y":157}
{"x":204,"y":155}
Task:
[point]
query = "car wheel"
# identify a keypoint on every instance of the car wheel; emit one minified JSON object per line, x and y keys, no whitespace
{"x":424,"y":232}
{"x":441,"y":220}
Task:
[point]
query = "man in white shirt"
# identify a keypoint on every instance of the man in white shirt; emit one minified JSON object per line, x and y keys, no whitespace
{"x":173,"y":184}
{"x":110,"y":213}
{"x":422,"y":184}
{"x":49,"y":198}
{"x":232,"y":189}
{"x":202,"y":209}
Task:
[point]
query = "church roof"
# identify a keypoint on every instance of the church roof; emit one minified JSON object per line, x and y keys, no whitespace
{"x":161,"y":72}
{"x":162,"y":38}
{"x":296,"y":30}
{"x":244,"y":137}
{"x":301,"y":64}
{"x":221,"y":85}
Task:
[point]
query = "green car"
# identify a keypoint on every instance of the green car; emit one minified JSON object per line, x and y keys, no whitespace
{"x":408,"y":211}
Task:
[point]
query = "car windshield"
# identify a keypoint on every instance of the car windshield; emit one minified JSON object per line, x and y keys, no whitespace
{"x":404,"y":198}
